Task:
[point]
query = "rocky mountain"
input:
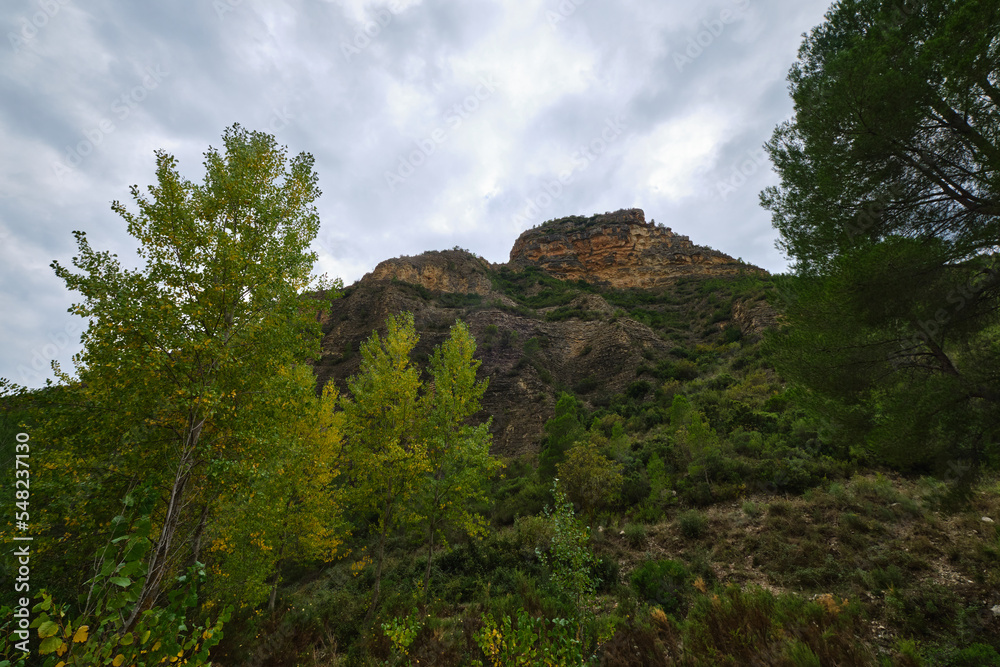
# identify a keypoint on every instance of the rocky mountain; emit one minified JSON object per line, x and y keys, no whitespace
{"x":619,"y":250}
{"x":585,"y":305}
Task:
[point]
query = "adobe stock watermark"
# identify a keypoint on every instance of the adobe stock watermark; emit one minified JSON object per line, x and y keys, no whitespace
{"x":582,"y":158}
{"x":752,"y":161}
{"x":121,"y":108}
{"x":872,"y":212}
{"x":281,"y":116}
{"x":563,"y":11}
{"x":957,"y":471}
{"x":900,"y":12}
{"x":713,"y":30}
{"x":271,"y":645}
{"x":223,"y":7}
{"x":47,"y":10}
{"x":44,"y":354}
{"x":370,"y":29}
{"x":454,"y":118}
{"x":959,"y":298}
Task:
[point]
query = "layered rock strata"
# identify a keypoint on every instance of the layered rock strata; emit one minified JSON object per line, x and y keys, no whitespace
{"x":619,"y":250}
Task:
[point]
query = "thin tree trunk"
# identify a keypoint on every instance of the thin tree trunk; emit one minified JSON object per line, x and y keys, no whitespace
{"x":274,"y":588}
{"x":277,"y":564}
{"x":378,"y":571}
{"x":275,"y":581}
{"x":199,"y":531}
{"x":158,"y":559}
{"x":427,"y":574}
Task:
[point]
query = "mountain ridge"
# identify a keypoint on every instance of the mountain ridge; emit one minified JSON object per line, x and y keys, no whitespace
{"x":583,"y":306}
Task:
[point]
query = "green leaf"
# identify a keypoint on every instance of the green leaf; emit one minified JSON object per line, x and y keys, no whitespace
{"x":48,"y":629}
{"x":49,"y":645}
{"x":124,"y":582}
{"x":128,"y":569}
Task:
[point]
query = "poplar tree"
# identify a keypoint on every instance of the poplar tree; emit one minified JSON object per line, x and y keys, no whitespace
{"x":382,"y":426}
{"x":415,"y":457}
{"x":184,"y":370}
{"x":457,"y":451}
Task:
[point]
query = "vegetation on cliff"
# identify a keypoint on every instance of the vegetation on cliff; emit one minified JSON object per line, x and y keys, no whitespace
{"x":488,"y":465}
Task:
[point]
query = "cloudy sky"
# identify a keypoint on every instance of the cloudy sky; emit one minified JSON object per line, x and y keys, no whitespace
{"x":433,"y":123}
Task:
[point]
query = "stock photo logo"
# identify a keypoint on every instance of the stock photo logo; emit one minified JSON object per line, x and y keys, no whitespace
{"x":121,"y":109}
{"x":370,"y":29}
{"x":456,"y":115}
{"x":563,"y":11}
{"x":43,"y":354}
{"x":37,"y":21}
{"x":223,"y":7}
{"x":713,"y":29}
{"x":747,"y":167}
{"x":582,"y":158}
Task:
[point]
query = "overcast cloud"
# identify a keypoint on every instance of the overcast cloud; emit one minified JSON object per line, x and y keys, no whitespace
{"x":433,"y":124}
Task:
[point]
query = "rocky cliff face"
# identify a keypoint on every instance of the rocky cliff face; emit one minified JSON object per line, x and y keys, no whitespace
{"x":524,"y":354}
{"x":619,"y":250}
{"x":537,"y":336}
{"x":754,"y":317}
{"x":452,"y":271}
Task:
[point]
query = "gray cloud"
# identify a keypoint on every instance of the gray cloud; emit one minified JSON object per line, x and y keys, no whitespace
{"x":477,"y":108}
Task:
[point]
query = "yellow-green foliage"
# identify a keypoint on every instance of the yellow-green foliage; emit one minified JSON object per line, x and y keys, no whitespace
{"x":458,"y":454}
{"x":289,"y":507}
{"x":414,"y":459}
{"x":590,"y":480}
{"x":188,"y":370}
{"x":529,"y":641}
{"x":99,"y":632}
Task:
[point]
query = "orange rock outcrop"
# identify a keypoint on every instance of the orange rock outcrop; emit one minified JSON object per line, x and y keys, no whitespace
{"x":619,"y":250}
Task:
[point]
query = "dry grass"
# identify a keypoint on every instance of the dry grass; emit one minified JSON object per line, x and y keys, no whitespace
{"x":882,"y":541}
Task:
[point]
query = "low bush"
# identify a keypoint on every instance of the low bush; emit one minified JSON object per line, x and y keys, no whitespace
{"x":976,"y":655}
{"x":607,"y":572}
{"x":751,"y":509}
{"x":586,"y":385}
{"x":454,"y":300}
{"x":692,"y":524}
{"x":663,"y":582}
{"x":635,"y":535}
{"x":531,"y":533}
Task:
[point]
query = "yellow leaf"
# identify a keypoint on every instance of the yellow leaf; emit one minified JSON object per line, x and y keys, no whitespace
{"x":81,"y":634}
{"x":119,"y":659}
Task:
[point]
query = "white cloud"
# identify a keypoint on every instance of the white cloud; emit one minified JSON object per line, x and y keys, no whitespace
{"x":280,"y":67}
{"x":677,"y":153}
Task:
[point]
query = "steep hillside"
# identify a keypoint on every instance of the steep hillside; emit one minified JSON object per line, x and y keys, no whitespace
{"x":730,"y":525}
{"x":559,"y":316}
